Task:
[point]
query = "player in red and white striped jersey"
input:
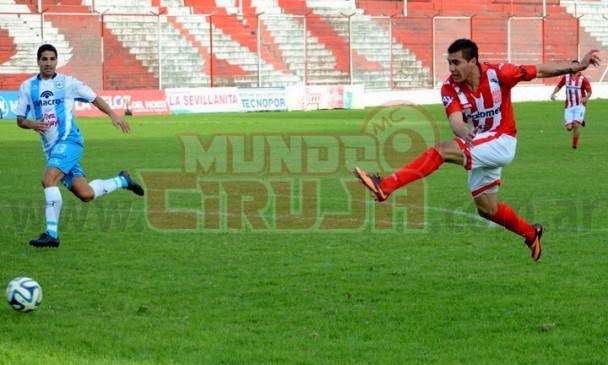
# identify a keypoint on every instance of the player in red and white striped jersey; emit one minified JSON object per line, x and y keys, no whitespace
{"x":477,"y":101}
{"x":578,"y":92}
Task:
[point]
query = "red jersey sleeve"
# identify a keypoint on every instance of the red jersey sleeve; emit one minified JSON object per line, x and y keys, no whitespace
{"x":511,"y":74}
{"x":449,"y":98}
{"x":562,"y":82}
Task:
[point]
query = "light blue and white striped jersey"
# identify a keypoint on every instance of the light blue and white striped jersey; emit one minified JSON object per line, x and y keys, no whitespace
{"x":52,"y":101}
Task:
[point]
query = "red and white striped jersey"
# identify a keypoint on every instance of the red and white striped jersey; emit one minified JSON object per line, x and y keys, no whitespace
{"x":577,"y":87}
{"x":489,"y":108}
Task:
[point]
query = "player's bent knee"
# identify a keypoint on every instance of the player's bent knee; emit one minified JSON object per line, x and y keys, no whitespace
{"x":83,"y":192}
{"x":485,"y":213}
{"x":85,"y":197}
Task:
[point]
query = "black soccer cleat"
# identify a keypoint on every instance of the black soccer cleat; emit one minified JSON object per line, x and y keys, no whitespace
{"x":45,"y":240}
{"x":131,"y":184}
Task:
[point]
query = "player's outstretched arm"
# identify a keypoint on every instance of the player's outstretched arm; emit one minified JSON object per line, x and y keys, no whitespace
{"x":554,"y":93}
{"x":556,"y":69}
{"x":117,"y":121}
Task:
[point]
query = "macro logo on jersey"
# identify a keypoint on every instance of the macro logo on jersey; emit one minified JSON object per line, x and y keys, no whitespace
{"x":50,"y":100}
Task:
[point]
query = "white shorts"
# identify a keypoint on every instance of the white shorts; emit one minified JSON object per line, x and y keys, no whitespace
{"x":484,"y":161}
{"x":574,"y":114}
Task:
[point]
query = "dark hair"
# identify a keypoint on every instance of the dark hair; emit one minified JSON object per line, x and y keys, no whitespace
{"x":468,"y":47}
{"x":574,"y":61}
{"x":46,"y":47}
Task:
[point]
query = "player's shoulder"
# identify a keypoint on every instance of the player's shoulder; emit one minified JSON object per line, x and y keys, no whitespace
{"x":449,"y":84}
{"x":73,"y":82}
{"x":29,"y":80}
{"x":26,"y":84}
{"x":499,"y":67}
{"x":67,"y":78}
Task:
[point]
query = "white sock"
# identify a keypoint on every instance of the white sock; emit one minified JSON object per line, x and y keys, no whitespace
{"x":52,"y":211}
{"x":105,"y":187}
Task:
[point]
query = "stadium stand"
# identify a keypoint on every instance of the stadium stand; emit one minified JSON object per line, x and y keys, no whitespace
{"x":142,"y":44}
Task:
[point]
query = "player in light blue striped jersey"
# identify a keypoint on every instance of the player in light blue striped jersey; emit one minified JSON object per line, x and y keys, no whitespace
{"x":48,"y":98}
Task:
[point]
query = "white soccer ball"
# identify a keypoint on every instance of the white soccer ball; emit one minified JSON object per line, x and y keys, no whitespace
{"x":24,"y":294}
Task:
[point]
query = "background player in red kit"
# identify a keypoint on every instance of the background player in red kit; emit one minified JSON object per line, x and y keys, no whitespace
{"x":578,"y":91}
{"x":477,"y":101}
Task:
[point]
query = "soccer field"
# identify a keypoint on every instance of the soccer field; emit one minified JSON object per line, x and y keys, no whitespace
{"x":255,"y":244}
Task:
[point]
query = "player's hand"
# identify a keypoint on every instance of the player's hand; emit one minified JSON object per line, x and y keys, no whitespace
{"x":121,"y":123}
{"x":469,"y":136}
{"x":39,"y":126}
{"x":552,"y":97}
{"x":590,"y":58}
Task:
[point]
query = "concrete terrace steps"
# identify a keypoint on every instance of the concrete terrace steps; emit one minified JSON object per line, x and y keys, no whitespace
{"x":26,"y":35}
{"x":243,"y":30}
{"x":593,"y":17}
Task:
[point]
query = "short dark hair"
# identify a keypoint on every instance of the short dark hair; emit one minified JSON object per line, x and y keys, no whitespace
{"x":46,"y":47}
{"x":468,"y":47}
{"x":574,"y":61}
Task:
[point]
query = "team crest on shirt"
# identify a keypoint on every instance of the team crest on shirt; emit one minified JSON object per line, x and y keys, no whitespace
{"x":59,"y":84}
{"x":447,"y":100}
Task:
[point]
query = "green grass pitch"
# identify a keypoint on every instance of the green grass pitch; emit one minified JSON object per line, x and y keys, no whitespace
{"x":255,"y":245}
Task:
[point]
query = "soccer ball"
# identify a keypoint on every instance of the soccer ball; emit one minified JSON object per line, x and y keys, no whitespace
{"x":24,"y":294}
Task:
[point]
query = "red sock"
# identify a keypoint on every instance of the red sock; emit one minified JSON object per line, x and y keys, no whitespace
{"x":506,"y":217}
{"x":422,"y":166}
{"x":574,"y":141}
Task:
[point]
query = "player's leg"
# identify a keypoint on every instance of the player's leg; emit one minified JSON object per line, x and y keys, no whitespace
{"x":87,"y":191}
{"x":576,"y":132}
{"x":568,"y":118}
{"x":53,"y":201}
{"x":502,"y":214}
{"x":423,"y":165}
{"x":484,"y":178}
{"x":570,"y":124}
{"x":490,"y":208}
{"x":578,"y":120}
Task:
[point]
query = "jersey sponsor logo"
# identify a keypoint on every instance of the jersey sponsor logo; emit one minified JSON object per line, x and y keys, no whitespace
{"x":40,"y":103}
{"x":47,"y":94}
{"x":447,"y":100}
{"x":486,"y":113}
{"x":50,"y":119}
